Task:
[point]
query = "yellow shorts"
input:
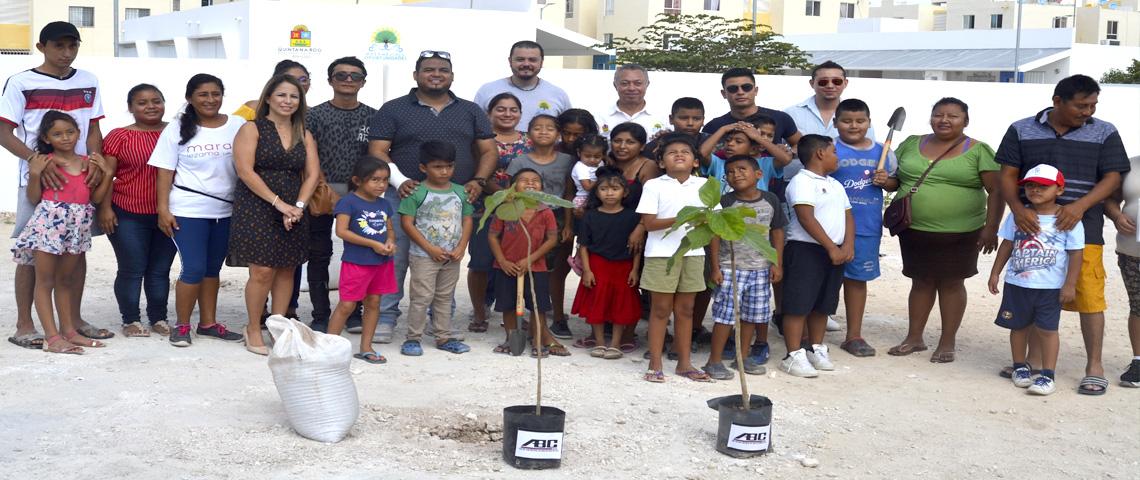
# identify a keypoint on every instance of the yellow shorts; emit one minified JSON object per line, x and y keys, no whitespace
{"x":687,"y":275}
{"x":1090,"y":285}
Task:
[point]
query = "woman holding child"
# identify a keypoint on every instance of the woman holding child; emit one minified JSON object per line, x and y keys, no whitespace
{"x":955,"y":213}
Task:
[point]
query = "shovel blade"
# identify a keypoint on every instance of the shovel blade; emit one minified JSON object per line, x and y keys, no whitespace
{"x":517,"y":341}
{"x":897,"y":119}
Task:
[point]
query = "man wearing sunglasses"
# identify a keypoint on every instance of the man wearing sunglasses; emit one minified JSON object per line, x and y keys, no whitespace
{"x":428,"y":112}
{"x":738,"y":86}
{"x":537,"y":95}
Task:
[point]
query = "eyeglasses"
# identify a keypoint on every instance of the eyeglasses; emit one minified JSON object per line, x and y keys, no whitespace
{"x":835,"y":82}
{"x":348,"y":76}
{"x":303,"y":80}
{"x":747,"y":87}
{"x":435,"y":53}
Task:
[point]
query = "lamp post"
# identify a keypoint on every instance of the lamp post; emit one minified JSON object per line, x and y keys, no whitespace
{"x":1017,"y":47}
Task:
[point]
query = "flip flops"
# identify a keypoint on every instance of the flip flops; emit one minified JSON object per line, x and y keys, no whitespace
{"x":371,"y":357}
{"x":613,"y":353}
{"x":93,"y":333}
{"x":858,"y":347}
{"x":78,"y":338}
{"x":598,"y":352}
{"x":697,"y":376}
{"x":1089,"y":385}
{"x":904,"y":349}
{"x":942,"y":357}
{"x":57,"y":344}
{"x":655,"y":376}
{"x":31,"y":341}
{"x":135,"y":329}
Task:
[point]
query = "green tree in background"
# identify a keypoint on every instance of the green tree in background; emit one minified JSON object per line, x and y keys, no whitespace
{"x":1129,"y":75}
{"x":707,"y":43}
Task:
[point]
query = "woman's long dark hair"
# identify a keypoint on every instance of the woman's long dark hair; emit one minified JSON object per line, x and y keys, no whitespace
{"x":188,"y":124}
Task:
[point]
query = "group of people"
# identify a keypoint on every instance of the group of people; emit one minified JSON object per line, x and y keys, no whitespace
{"x":405,"y":188}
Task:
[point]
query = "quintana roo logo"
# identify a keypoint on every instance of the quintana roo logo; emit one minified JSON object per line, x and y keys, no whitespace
{"x":384,"y":45}
{"x":300,"y":36}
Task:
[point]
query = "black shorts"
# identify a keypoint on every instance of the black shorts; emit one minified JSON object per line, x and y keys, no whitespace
{"x":506,"y":289}
{"x":479,"y":248}
{"x":1022,"y":307}
{"x":811,"y":282}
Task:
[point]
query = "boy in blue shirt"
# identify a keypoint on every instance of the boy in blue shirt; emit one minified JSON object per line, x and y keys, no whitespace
{"x":864,"y":184}
{"x":1042,"y":276}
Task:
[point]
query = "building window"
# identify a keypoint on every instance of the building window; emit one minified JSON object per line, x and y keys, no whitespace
{"x":608,"y":39}
{"x":81,"y":16}
{"x":812,"y":8}
{"x":609,"y":10}
{"x":206,"y":3}
{"x":995,"y":20}
{"x":967,"y":22}
{"x":672,"y":7}
{"x":1060,"y":22}
{"x":846,"y":10}
{"x":176,"y":5}
{"x":668,"y":39}
{"x":713,"y":5}
{"x":569,"y":8}
{"x":1110,"y":29}
{"x":133,"y":13}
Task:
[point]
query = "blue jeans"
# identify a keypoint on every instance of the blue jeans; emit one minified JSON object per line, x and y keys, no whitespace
{"x":202,"y":245}
{"x":144,"y":255}
{"x":390,"y":304}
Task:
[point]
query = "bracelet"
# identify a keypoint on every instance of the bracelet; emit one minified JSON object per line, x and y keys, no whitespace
{"x":275,"y":199}
{"x":29,"y":159}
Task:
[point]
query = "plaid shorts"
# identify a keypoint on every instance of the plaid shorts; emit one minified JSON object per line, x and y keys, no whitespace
{"x":755,"y":294}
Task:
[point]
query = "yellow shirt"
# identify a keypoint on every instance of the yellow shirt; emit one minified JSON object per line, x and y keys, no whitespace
{"x":245,"y":112}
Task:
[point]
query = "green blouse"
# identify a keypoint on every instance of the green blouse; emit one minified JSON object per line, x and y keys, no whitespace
{"x":952,"y":199}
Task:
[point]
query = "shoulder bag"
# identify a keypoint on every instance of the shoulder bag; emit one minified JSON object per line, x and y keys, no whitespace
{"x":897,"y":216}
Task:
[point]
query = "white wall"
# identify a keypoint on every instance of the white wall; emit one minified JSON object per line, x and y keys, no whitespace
{"x":993,"y":105}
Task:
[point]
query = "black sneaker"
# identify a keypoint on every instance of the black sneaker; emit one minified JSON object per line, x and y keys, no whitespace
{"x":219,"y":331}
{"x":561,"y":330}
{"x":1131,"y":378}
{"x":180,"y":335}
{"x":320,"y":326}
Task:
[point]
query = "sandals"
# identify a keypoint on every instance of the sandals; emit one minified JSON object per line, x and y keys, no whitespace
{"x":78,"y":339}
{"x":557,"y":350}
{"x":477,"y":327}
{"x":585,"y":342}
{"x":57,"y":344}
{"x":1090,"y":385}
{"x":629,"y":347}
{"x":613,"y":353}
{"x":93,"y":333}
{"x":31,"y":341}
{"x":942,"y":357}
{"x":453,"y":346}
{"x":598,"y":352}
{"x":135,"y":329}
{"x":534,"y":352}
{"x":904,"y":349}
{"x":503,"y":348}
{"x":858,"y":347}
{"x":655,"y":376}
{"x":370,"y":357}
{"x":696,"y":376}
{"x":160,"y":328}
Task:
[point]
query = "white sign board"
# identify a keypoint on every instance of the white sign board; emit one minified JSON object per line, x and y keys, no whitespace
{"x":749,"y":439}
{"x":539,"y":445}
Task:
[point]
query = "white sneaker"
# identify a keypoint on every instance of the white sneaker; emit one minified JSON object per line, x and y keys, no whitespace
{"x":819,"y":358}
{"x":383,"y":333}
{"x":1042,"y":386}
{"x":832,"y":325}
{"x":1021,"y":377}
{"x":796,"y":364}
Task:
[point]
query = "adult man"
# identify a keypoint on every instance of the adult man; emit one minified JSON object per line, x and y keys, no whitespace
{"x":340,"y":128}
{"x":537,"y":96}
{"x":738,"y":86}
{"x":27,"y":96}
{"x":1090,"y":154}
{"x":428,"y":112}
{"x":631,"y":81}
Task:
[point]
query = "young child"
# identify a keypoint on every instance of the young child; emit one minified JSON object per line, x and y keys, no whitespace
{"x":858,"y":163}
{"x":592,"y":149}
{"x":509,"y":246}
{"x":754,"y":273}
{"x":742,"y":138}
{"x":672,"y":291}
{"x":366,"y":270}
{"x":608,"y":291}
{"x":436,"y":217}
{"x":59,"y":231}
{"x":687,"y":116}
{"x":821,"y":239}
{"x":1042,"y":276}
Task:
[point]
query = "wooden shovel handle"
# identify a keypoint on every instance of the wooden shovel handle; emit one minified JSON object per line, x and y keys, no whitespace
{"x":886,"y":150}
{"x":519,"y":297}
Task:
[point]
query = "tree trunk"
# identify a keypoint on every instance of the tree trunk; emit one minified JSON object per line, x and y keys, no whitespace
{"x":744,"y":395}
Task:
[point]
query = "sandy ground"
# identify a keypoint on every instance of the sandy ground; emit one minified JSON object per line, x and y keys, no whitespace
{"x":143,"y":409}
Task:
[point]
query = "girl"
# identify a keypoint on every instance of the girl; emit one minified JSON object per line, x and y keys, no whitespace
{"x":608,"y":290}
{"x":366,"y":270}
{"x":574,"y":123}
{"x":60,"y":229}
{"x":143,"y":252}
{"x":510,"y":247}
{"x":554,"y":168}
{"x":592,"y":150}
{"x":673,"y":290}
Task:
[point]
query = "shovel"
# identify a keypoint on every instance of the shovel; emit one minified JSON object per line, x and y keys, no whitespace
{"x":516,"y":339}
{"x":895,"y":123}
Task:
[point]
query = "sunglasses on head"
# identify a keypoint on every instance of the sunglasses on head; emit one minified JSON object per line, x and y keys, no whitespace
{"x":435,"y":53}
{"x":746,"y":87}
{"x":303,"y":79}
{"x":834,"y":81}
{"x":347,"y":76}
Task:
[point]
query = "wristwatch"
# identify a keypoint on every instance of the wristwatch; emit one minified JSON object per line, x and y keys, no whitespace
{"x":300,"y":205}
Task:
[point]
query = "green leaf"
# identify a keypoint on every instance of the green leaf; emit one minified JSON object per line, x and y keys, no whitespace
{"x":510,"y":211}
{"x":680,"y":253}
{"x":710,"y":193}
{"x":687,"y":216}
{"x":727,"y":225}
{"x":740,"y":211}
{"x":543,"y":197}
{"x":757,"y":238}
{"x":491,"y":204}
{"x":699,"y":236}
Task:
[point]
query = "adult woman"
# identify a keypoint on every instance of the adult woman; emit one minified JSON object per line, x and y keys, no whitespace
{"x":504,"y":111}
{"x":143,"y":252}
{"x":248,"y":110}
{"x":954,"y":214}
{"x":1128,"y":259}
{"x":195,"y":186}
{"x":276,"y":159}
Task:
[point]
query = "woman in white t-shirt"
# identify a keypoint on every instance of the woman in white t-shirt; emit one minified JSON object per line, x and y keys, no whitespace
{"x":196,"y":181}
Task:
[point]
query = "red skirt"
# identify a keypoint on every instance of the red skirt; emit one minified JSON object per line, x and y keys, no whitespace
{"x":611,"y":299}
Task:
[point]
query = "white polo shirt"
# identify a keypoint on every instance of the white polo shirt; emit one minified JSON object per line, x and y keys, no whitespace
{"x":828,"y":198}
{"x":612,"y":116}
{"x":664,"y":196}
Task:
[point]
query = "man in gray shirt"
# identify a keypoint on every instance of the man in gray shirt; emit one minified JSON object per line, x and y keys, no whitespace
{"x":537,"y":95}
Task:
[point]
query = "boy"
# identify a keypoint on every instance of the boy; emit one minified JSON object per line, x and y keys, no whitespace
{"x":1042,"y":276}
{"x":436,"y":217}
{"x":687,"y":117}
{"x":858,"y":160}
{"x":743,"y":138}
{"x":754,"y":273}
{"x":820,"y":240}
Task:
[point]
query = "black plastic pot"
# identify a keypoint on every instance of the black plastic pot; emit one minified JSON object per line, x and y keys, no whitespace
{"x":743,"y":434}
{"x":533,"y":442}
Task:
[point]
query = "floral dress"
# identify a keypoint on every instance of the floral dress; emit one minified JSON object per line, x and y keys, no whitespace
{"x":60,"y":224}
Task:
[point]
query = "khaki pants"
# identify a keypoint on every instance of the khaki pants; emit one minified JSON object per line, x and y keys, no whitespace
{"x":430,"y":283}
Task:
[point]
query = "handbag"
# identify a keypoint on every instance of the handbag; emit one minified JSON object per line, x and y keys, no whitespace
{"x":324,"y":198}
{"x":897,"y":215}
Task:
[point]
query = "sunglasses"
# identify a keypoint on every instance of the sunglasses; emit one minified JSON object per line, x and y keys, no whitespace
{"x":834,"y":82}
{"x":435,"y":53}
{"x":303,"y":80}
{"x":348,"y":76}
{"x":747,"y":87}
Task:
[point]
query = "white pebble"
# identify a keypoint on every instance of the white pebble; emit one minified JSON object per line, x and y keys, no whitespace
{"x":809,"y":462}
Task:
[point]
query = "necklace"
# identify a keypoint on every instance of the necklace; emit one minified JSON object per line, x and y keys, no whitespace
{"x":512,"y":80}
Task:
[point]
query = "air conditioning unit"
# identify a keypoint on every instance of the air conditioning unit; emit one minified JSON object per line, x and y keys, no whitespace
{"x":1110,"y":42}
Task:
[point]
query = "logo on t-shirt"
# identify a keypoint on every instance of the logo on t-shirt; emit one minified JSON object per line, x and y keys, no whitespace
{"x":373,"y":224}
{"x":1031,"y":254}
